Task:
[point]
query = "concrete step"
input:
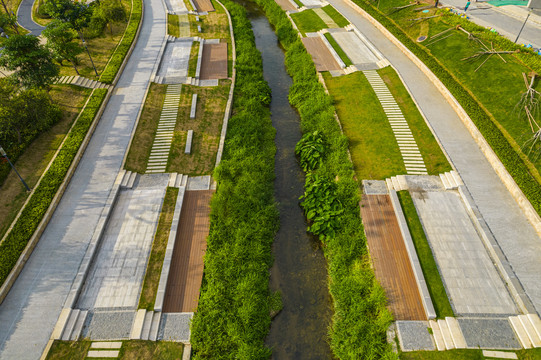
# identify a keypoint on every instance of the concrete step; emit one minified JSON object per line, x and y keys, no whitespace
{"x":146,"y":325}
{"x":536,"y":323}
{"x":456,"y":333}
{"x":446,"y":334}
{"x":131,"y":180}
{"x":520,"y":331}
{"x":70,"y":324}
{"x":155,"y":326}
{"x":78,"y":328}
{"x":436,"y":333}
{"x":396,"y":184}
{"x":390,"y":184}
{"x":530,"y":330}
{"x":456,"y":177}
{"x":445,"y":182}
{"x":125,"y":179}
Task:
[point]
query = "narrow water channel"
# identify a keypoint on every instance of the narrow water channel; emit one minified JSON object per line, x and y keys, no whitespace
{"x":299,"y":272}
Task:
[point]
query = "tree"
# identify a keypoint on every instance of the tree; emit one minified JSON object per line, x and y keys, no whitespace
{"x":9,"y":19}
{"x":31,"y":62}
{"x":60,"y":37}
{"x":76,"y":14}
{"x":112,"y":11}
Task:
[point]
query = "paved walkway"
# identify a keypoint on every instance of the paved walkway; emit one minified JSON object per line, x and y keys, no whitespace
{"x":115,"y":278}
{"x":31,"y":309}
{"x":326,"y":18}
{"x":24,"y":18}
{"x":506,"y":21}
{"x":511,"y":229}
{"x":174,"y":63}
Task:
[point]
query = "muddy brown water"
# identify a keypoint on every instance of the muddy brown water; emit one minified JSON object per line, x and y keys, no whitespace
{"x":299,"y":272}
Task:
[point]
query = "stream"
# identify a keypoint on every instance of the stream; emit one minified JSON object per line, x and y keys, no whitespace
{"x":299,"y":272}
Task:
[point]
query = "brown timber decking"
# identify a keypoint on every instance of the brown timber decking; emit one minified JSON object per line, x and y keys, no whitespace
{"x":214,"y":61}
{"x":186,"y":272}
{"x":322,"y":57}
{"x":203,"y":5}
{"x":390,"y":258}
{"x":286,"y":5}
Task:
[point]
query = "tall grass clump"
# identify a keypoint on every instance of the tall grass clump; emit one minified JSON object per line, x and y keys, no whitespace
{"x":233,"y":316}
{"x":360,"y":319}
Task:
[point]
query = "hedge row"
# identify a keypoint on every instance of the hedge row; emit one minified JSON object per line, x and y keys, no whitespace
{"x":33,"y":212}
{"x":360,"y":321}
{"x":512,"y":161}
{"x":113,"y":66}
{"x":233,"y":315}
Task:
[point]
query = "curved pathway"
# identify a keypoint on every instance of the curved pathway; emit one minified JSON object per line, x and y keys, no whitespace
{"x":31,"y":309}
{"x":24,"y":18}
{"x":515,"y":235}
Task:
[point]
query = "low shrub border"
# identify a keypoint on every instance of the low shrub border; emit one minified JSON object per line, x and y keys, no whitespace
{"x":233,"y":315}
{"x":361,"y":319}
{"x":484,"y":122}
{"x":30,"y":217}
{"x":115,"y":62}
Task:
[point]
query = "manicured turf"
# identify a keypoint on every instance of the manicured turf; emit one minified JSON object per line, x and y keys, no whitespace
{"x":338,"y":49}
{"x":173,"y":22}
{"x":428,"y":264}
{"x":336,"y":16}
{"x":372,"y":145}
{"x":308,"y":21}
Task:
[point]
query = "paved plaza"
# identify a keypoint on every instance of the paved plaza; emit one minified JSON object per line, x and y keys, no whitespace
{"x":174,"y":63}
{"x":356,"y":50}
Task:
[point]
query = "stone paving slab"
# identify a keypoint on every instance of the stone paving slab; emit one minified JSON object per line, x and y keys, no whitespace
{"x":176,"y":6}
{"x":175,"y":327}
{"x":108,"y":325}
{"x":470,"y":278}
{"x":174,"y":65}
{"x":354,"y":47}
{"x":103,"y":354}
{"x":488,"y":333}
{"x":499,"y":354}
{"x":106,"y":345}
{"x":414,"y":335}
{"x":114,"y":280}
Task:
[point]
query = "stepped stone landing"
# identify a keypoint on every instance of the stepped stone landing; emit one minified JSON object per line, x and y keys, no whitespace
{"x":83,"y":82}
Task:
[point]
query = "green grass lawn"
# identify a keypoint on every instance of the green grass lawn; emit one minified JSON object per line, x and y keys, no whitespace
{"x":373,"y":147}
{"x":497,"y":85}
{"x":308,"y":21}
{"x":428,"y":264}
{"x":338,"y":49}
{"x":435,"y":160}
{"x":335,"y":15}
{"x":173,"y":22}
{"x":159,"y":245}
{"x":194,"y":54}
{"x":131,"y":350}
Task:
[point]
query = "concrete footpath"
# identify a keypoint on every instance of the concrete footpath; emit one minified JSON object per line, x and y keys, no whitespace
{"x":24,"y":18}
{"x":31,"y":309}
{"x":514,"y":233}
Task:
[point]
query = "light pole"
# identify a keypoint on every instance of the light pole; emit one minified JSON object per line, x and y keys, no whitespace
{"x":3,"y":153}
{"x":524,"y":24}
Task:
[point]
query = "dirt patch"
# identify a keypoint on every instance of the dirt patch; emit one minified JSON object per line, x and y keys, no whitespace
{"x":323,"y":59}
{"x":204,"y":5}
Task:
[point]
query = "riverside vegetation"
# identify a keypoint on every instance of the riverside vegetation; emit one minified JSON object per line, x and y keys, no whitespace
{"x":233,"y":316}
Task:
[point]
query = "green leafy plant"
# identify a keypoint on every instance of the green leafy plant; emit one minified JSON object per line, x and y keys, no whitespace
{"x":321,"y":206}
{"x":311,"y":150}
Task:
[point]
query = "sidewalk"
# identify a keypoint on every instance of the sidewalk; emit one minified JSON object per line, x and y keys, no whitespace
{"x":24,"y":18}
{"x":513,"y":232}
{"x":31,"y":309}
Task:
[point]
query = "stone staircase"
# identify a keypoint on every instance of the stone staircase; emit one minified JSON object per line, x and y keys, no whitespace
{"x":447,"y":334}
{"x":128,"y":179}
{"x":74,"y":325}
{"x":146,"y":325}
{"x":528,"y":330}
{"x":177,"y":180}
{"x":451,"y":180}
{"x":83,"y":82}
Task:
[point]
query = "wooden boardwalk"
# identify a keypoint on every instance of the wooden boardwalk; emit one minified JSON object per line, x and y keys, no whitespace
{"x":214,"y":61}
{"x":390,"y":258}
{"x":203,"y":5}
{"x":322,"y":57}
{"x":186,"y":272}
{"x":286,"y":5}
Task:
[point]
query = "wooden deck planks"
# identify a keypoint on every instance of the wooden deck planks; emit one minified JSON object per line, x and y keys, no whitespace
{"x":322,"y":57}
{"x":204,"y":5}
{"x":390,"y":258}
{"x":286,"y":5}
{"x":214,"y":61}
{"x":186,"y":272}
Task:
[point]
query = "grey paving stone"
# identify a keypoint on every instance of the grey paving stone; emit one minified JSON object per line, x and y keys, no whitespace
{"x":414,"y":335}
{"x":375,"y":187}
{"x":175,"y":327}
{"x":108,"y":325}
{"x":488,"y":333}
